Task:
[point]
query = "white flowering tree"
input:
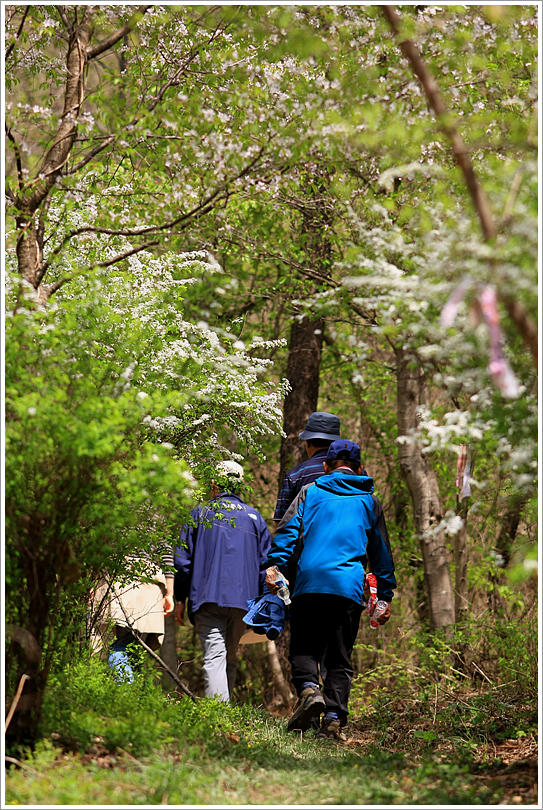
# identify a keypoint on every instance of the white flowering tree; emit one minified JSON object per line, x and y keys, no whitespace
{"x":113,"y":403}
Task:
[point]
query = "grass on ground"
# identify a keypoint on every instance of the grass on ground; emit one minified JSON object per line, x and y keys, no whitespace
{"x":127,"y":744}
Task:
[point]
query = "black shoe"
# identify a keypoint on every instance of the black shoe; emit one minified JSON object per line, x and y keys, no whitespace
{"x":310,"y":704}
{"x":331,"y":730}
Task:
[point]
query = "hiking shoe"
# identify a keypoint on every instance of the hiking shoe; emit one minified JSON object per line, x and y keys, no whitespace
{"x":331,"y":730}
{"x":310,"y":704}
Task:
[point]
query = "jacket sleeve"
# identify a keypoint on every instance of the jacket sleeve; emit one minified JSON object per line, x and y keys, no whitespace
{"x":380,"y":555}
{"x":285,"y":539}
{"x":265,"y":541}
{"x":183,"y":557}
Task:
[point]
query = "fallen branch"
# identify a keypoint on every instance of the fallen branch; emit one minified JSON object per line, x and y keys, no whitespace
{"x":173,"y":675}
{"x":16,"y":699}
{"x":165,"y":666}
{"x":21,"y":765}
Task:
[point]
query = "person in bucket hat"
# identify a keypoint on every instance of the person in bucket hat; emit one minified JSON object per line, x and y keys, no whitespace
{"x":340,"y":526}
{"x":320,"y":431}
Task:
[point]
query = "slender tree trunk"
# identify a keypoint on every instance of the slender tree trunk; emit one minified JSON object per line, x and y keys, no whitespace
{"x":461,"y":602}
{"x":303,"y":371}
{"x":524,"y":323}
{"x":423,"y":487}
{"x":278,"y":677}
{"x":509,"y":528}
{"x":306,"y":336}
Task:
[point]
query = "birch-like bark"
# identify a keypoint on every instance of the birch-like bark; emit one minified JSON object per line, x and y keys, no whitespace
{"x":424,"y":489}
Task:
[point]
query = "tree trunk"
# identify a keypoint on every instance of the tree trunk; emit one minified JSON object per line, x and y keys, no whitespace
{"x":461,"y":602}
{"x":30,"y":234}
{"x":509,"y":528}
{"x":306,"y":336}
{"x":423,"y":487}
{"x":303,"y":370}
{"x":278,"y":677}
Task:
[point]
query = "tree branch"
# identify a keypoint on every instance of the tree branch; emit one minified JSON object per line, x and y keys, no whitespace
{"x":17,"y":156}
{"x":137,"y":636}
{"x":19,"y":32}
{"x":220,"y":193}
{"x":52,"y":288}
{"x":89,"y":156}
{"x":122,"y":256}
{"x":95,"y":50}
{"x":435,"y":101}
{"x":62,"y":14}
{"x":523,"y":322}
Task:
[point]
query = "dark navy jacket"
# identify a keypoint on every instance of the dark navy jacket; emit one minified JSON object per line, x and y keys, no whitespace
{"x":342,"y":525}
{"x":301,"y":475}
{"x":222,"y":564}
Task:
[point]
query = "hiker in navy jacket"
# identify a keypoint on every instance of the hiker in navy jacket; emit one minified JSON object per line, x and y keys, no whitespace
{"x":342,"y":527}
{"x":219,"y":567}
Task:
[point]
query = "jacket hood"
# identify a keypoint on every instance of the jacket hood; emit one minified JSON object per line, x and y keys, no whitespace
{"x":345,"y":483}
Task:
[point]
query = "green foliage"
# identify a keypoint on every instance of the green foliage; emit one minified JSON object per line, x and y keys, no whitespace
{"x":215,"y":753}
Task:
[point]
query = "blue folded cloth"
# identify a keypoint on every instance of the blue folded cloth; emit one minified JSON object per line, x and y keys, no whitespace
{"x":266,"y":615}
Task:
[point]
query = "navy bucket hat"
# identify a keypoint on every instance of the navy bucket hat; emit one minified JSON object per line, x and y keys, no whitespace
{"x":321,"y":425}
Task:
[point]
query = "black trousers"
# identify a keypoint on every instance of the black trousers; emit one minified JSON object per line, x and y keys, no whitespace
{"x":323,"y":628}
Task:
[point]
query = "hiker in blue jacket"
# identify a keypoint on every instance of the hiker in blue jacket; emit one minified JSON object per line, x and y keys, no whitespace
{"x":342,"y":527}
{"x":219,"y":567}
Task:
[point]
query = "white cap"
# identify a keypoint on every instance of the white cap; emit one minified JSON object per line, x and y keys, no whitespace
{"x":231,"y":469}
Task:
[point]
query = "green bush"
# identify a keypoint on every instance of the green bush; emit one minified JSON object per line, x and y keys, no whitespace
{"x":85,"y":707}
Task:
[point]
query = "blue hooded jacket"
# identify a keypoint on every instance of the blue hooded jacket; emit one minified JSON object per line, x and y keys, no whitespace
{"x":266,"y":615}
{"x":342,"y":526}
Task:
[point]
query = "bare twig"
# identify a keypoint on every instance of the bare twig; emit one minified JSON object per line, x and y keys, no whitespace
{"x":125,"y":255}
{"x":159,"y":660}
{"x":153,"y":654}
{"x":19,"y":32}
{"x":481,"y":671}
{"x":21,"y":765}
{"x":16,"y":699}
{"x":89,"y":156}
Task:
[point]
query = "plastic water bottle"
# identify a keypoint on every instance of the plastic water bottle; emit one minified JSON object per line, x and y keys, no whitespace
{"x":283,"y":591}
{"x":380,"y":608}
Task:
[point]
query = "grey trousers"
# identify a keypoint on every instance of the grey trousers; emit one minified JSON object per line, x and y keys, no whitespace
{"x":219,"y":630}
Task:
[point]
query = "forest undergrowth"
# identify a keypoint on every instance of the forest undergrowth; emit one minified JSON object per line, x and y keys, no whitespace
{"x":423,"y":736}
